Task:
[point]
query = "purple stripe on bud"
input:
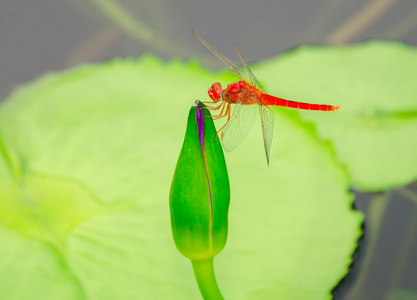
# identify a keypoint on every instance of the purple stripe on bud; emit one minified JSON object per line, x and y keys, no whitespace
{"x":200,"y":123}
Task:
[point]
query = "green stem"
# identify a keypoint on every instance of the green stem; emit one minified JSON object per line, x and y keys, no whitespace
{"x":407,"y":242}
{"x":376,"y":211}
{"x":320,"y":21}
{"x":408,"y":194}
{"x":405,"y":249}
{"x":372,"y":11}
{"x":118,"y":14}
{"x":135,"y":28}
{"x":204,"y":274}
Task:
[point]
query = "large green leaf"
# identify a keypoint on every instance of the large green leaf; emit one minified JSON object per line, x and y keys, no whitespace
{"x":84,"y":183}
{"x":374,"y":83}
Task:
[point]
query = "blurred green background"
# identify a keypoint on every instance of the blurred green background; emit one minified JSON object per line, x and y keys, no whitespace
{"x":38,"y":36}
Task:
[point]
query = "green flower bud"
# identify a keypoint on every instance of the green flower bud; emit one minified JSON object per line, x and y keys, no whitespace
{"x":200,"y":193}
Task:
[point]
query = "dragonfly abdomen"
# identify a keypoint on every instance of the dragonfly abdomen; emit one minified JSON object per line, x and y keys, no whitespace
{"x":271,"y":100}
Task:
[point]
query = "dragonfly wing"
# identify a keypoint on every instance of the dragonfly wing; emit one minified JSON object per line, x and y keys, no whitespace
{"x":227,"y":62}
{"x":251,"y":76}
{"x":257,"y":82}
{"x":267,"y":121}
{"x":238,"y":126}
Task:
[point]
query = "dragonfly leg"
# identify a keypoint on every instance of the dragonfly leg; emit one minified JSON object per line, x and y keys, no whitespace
{"x":220,"y":115}
{"x":227,"y":113}
{"x":221,"y":112}
{"x":209,"y":102}
{"x":214,"y":108}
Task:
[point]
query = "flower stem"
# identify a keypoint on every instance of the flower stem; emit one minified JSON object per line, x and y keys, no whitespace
{"x":373,"y":10}
{"x":204,"y":274}
{"x":406,"y":246}
{"x":137,"y":29}
{"x":376,"y":212}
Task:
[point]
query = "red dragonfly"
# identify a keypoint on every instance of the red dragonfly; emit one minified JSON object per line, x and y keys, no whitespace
{"x":248,"y":96}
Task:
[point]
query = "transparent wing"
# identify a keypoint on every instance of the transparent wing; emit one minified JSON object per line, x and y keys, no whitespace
{"x":251,"y":76}
{"x":267,"y":120}
{"x":228,"y":63}
{"x":238,"y":126}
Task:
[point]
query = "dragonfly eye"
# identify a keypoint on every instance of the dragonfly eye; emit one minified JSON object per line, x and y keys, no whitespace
{"x":216,"y":92}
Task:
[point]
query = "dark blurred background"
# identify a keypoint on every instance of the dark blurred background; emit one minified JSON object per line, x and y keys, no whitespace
{"x":38,"y":36}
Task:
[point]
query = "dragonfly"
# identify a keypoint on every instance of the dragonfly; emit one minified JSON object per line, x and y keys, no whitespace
{"x":248,"y":96}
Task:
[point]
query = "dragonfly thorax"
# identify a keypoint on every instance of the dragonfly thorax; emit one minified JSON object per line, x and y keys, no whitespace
{"x":236,"y":92}
{"x":242,"y":92}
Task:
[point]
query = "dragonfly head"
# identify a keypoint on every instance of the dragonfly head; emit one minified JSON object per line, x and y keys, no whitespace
{"x":216,"y":92}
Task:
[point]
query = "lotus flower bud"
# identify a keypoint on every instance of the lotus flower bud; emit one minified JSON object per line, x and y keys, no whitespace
{"x":200,"y":193}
